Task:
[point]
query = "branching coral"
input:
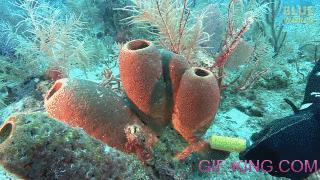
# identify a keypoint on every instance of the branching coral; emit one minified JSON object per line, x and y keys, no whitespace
{"x":181,"y":32}
{"x":48,"y":36}
{"x":233,"y":37}
{"x":172,"y":22}
{"x":111,"y":81}
{"x":275,"y":33}
{"x":250,"y":71}
{"x":93,"y":10}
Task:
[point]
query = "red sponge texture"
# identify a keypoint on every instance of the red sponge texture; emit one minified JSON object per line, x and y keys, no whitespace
{"x":142,"y":78}
{"x":140,"y":70}
{"x":196,"y":103}
{"x":96,"y":109}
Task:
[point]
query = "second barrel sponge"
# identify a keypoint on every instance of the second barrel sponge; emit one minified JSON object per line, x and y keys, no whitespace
{"x":96,"y":109}
{"x":196,"y":103}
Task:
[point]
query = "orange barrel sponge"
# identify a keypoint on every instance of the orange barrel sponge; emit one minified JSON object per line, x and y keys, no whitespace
{"x":142,"y":77}
{"x":93,"y":107}
{"x":196,"y":103}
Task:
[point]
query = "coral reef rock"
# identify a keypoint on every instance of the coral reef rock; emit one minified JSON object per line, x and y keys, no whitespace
{"x":34,"y":146}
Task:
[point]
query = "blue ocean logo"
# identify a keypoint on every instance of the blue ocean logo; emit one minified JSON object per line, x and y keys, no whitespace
{"x":299,"y":12}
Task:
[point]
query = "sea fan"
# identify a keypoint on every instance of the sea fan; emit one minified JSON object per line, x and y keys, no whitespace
{"x":48,"y":35}
{"x":7,"y":41}
{"x":171,"y":21}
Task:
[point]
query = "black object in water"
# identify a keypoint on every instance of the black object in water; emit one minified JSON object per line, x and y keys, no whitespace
{"x":292,"y":143}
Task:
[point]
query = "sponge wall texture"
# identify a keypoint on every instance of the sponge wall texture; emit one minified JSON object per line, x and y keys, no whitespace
{"x":142,"y":77}
{"x":196,"y":103}
{"x":96,"y":109}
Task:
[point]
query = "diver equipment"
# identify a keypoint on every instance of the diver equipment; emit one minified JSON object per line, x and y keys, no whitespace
{"x":229,"y":144}
{"x":295,"y":138}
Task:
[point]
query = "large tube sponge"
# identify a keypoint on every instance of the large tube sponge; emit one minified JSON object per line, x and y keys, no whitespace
{"x":96,"y":109}
{"x":34,"y":146}
{"x":196,"y":103}
{"x":141,"y":74}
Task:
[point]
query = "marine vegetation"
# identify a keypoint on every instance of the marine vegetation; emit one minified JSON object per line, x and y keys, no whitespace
{"x":270,"y":27}
{"x":181,"y":31}
{"x":49,"y":38}
{"x":172,"y":22}
{"x":10,"y":76}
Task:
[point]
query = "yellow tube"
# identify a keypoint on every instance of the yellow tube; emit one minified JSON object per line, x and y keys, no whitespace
{"x":230,"y":144}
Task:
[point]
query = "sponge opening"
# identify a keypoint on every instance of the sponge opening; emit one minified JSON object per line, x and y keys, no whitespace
{"x":54,"y":89}
{"x":138,"y":44}
{"x":201,"y":72}
{"x":5,"y":132}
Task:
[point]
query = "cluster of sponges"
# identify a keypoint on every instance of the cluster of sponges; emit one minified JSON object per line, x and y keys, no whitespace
{"x":34,"y":146}
{"x":162,"y":86}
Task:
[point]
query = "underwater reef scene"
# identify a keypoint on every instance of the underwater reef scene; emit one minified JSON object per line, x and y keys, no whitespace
{"x":159,"y":89}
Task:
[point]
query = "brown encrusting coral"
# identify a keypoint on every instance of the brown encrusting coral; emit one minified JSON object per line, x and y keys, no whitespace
{"x":34,"y":146}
